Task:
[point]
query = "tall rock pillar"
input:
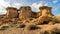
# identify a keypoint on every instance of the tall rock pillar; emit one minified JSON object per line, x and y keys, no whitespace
{"x":11,"y":12}
{"x":25,"y":13}
{"x":45,"y":15}
{"x":46,"y":11}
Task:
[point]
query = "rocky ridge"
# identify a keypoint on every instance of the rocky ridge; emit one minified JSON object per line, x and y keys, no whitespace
{"x":25,"y":21}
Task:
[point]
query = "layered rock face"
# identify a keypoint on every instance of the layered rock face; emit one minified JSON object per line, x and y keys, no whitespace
{"x":26,"y":15}
{"x":57,"y":18}
{"x":45,"y":11}
{"x":34,"y":15}
{"x":29,"y":22}
{"x":44,"y":15}
{"x":11,"y":12}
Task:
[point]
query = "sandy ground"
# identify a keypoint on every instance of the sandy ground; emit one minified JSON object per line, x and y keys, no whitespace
{"x":29,"y":29}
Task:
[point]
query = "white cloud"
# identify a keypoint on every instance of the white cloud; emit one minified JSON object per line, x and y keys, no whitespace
{"x":17,"y":5}
{"x":55,"y":1}
{"x":46,"y":4}
{"x":4,"y":4}
{"x":35,"y":5}
{"x":2,"y":12}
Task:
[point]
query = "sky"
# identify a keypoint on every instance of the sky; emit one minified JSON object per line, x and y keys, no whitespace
{"x":34,"y":4}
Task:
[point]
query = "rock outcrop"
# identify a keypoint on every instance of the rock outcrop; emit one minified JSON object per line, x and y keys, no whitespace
{"x":44,"y":16}
{"x":26,"y":15}
{"x":46,"y":11}
{"x":11,"y":12}
{"x":25,"y":21}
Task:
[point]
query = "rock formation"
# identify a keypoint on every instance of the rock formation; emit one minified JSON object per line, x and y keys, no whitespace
{"x":44,"y":16}
{"x":11,"y":12}
{"x":28,"y":22}
{"x":45,"y":11}
{"x":26,"y":15}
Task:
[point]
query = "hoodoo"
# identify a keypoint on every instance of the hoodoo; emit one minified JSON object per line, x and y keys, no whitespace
{"x":45,"y":11}
{"x":26,"y":15}
{"x":11,"y":12}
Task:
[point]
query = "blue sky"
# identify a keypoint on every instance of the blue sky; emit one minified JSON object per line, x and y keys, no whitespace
{"x":35,"y":4}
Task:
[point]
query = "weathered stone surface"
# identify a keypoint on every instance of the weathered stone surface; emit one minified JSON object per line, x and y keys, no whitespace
{"x":39,"y":13}
{"x":11,"y":12}
{"x":44,"y":15}
{"x":45,"y":11}
{"x":57,"y":18}
{"x":25,"y":13}
{"x":34,"y":15}
{"x":30,"y":22}
{"x":51,"y":22}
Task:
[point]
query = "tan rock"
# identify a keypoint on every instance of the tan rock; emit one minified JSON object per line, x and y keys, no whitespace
{"x":39,"y":13}
{"x":37,"y":21}
{"x":45,"y":11}
{"x":44,"y":15}
{"x":57,"y":18}
{"x":51,"y":22}
{"x":42,"y":20}
{"x":25,"y":13}
{"x":34,"y":15}
{"x":11,"y":12}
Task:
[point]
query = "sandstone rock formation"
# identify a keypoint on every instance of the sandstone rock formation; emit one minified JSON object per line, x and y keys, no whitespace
{"x":11,"y":12}
{"x":57,"y":18}
{"x":34,"y":15}
{"x":46,"y":11}
{"x":26,"y":15}
{"x":44,"y":16}
{"x":29,"y":22}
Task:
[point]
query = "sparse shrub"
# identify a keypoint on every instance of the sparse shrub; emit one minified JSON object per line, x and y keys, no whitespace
{"x":10,"y":21}
{"x":45,"y":22}
{"x":1,"y":17}
{"x":13,"y":24}
{"x":21,"y":25}
{"x":57,"y":32}
{"x":45,"y":32}
{"x":32,"y":27}
{"x":31,"y":19}
{"x":4,"y":27}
